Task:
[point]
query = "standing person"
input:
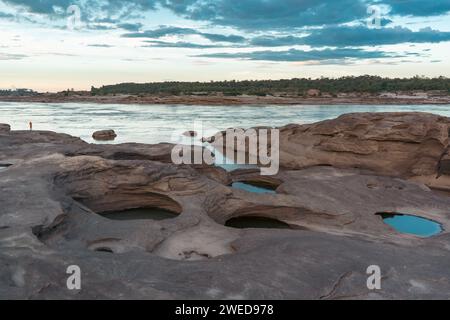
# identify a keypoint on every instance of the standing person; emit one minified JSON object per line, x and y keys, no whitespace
{"x":31,"y":126}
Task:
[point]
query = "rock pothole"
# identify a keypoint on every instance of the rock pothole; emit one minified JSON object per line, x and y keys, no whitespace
{"x":255,"y":222}
{"x":57,"y":227}
{"x":107,"y":245}
{"x":194,"y":256}
{"x":150,"y":213}
{"x":104,"y":250}
{"x":254,"y":178}
{"x":120,"y":205}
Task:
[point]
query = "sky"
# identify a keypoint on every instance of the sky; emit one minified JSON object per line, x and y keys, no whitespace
{"x":53,"y":45}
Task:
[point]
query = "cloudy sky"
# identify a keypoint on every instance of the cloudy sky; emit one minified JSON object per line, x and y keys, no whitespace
{"x":51,"y":45}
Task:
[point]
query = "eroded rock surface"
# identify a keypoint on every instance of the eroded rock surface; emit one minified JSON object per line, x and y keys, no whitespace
{"x":52,"y":197}
{"x":396,"y":144}
{"x":407,"y":145}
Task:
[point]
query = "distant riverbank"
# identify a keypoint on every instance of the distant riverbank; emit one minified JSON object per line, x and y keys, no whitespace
{"x":417,"y":98}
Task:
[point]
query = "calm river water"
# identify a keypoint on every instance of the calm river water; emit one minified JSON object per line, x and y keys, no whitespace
{"x":159,"y":123}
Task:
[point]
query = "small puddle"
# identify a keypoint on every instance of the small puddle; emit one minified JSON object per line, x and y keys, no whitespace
{"x":140,"y":214}
{"x":410,"y":224}
{"x":251,"y":188}
{"x":256,"y":222}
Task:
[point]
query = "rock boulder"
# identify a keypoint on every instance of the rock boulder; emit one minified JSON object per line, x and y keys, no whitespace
{"x":104,"y":135}
{"x":4,"y":128}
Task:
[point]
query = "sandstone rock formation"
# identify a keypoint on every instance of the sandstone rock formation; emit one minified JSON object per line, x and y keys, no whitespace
{"x":104,"y":135}
{"x":395,"y":144}
{"x":407,"y":145}
{"x":53,"y":195}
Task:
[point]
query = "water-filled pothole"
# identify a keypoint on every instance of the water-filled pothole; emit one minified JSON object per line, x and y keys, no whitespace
{"x":256,"y":222}
{"x":140,"y":214}
{"x":411,"y":224}
{"x":249,"y":187}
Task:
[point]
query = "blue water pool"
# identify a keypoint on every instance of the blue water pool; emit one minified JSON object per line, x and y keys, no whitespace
{"x":412,"y":224}
{"x":251,"y":188}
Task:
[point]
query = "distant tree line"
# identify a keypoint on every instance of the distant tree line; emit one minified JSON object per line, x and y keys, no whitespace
{"x":18,"y":92}
{"x":362,"y":84}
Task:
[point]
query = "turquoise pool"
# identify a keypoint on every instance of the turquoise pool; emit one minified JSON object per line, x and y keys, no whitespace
{"x":411,"y":224}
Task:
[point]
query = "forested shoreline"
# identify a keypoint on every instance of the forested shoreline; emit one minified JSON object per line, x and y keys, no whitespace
{"x":300,"y":87}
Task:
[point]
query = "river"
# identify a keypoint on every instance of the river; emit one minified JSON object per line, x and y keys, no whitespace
{"x":159,"y":123}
